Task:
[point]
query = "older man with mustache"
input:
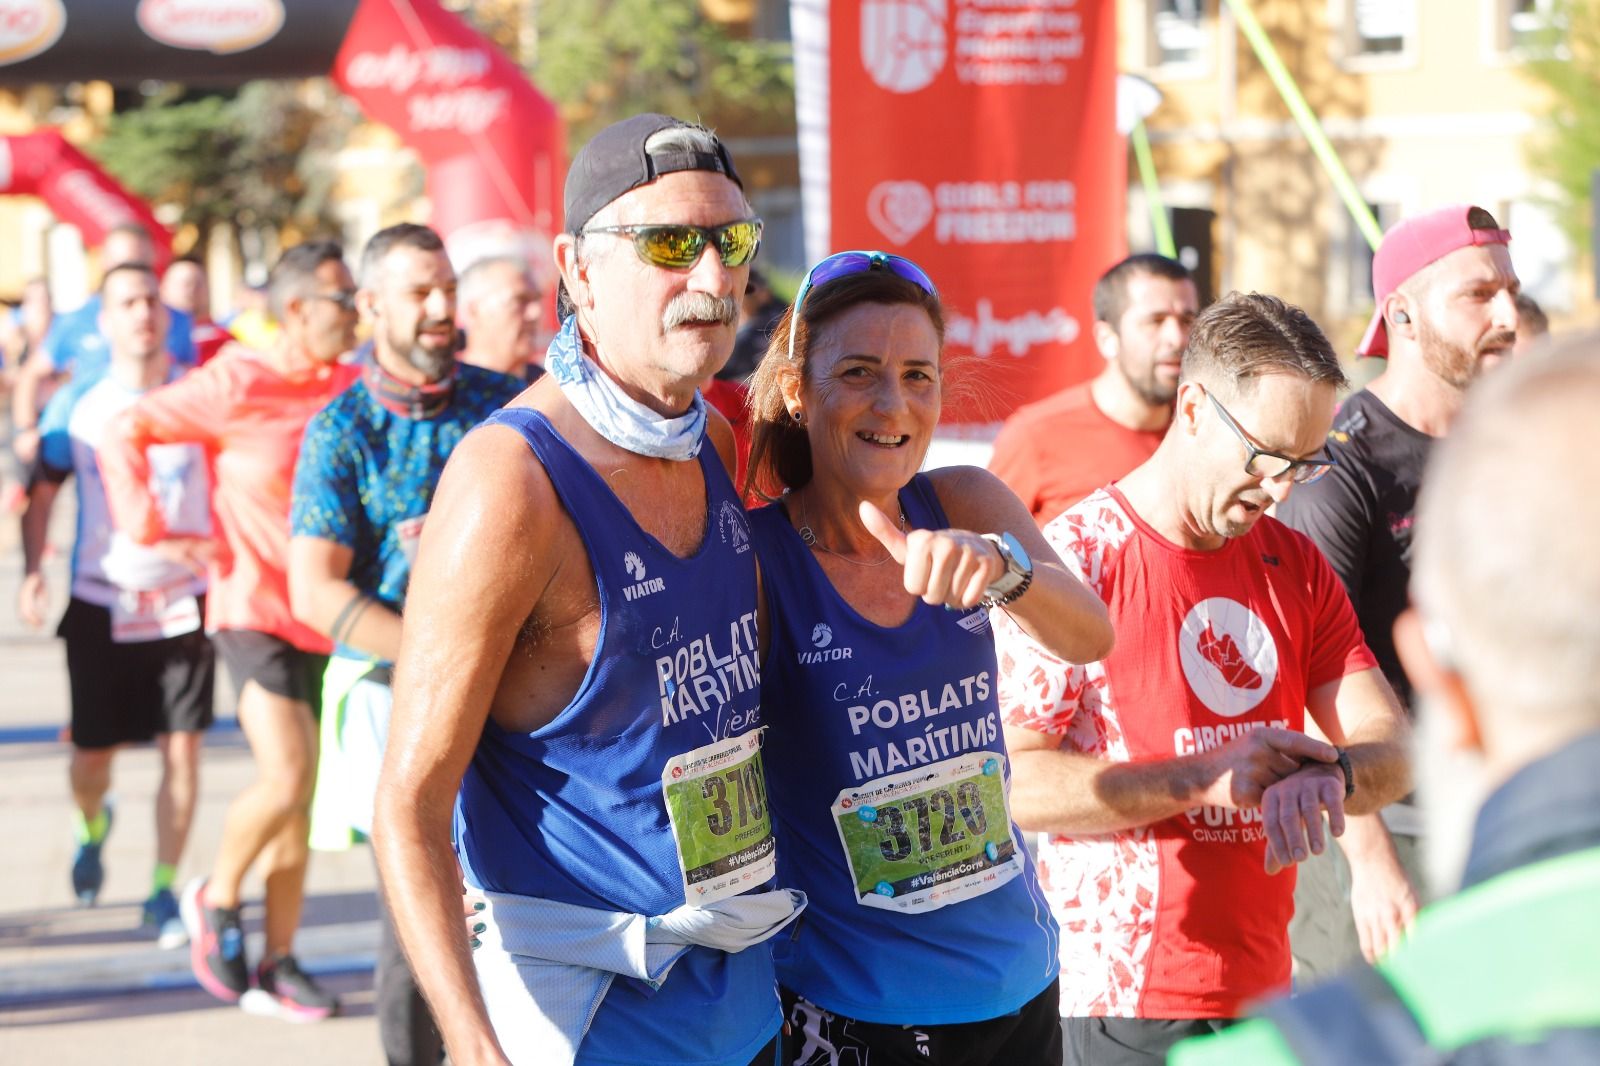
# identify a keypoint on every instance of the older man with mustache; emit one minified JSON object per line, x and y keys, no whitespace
{"x":578,"y":701}
{"x":1446,"y":312}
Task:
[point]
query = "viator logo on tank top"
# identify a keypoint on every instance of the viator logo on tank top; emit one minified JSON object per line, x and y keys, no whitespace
{"x":1228,"y":656}
{"x":642,"y":586}
{"x":822,"y":640}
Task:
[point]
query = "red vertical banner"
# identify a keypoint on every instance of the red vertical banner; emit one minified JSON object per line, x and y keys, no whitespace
{"x":978,"y":138}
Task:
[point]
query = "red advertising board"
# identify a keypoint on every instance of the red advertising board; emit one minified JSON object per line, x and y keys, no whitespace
{"x":978,"y":138}
{"x":491,"y":141}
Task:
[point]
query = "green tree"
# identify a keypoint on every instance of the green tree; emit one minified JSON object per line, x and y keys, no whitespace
{"x":1568,"y":151}
{"x":602,"y":60}
{"x":259,"y":160}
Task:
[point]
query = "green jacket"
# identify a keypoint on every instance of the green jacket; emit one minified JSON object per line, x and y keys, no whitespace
{"x":1516,"y":957}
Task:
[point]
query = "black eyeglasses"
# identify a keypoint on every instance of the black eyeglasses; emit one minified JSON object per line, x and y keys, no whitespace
{"x":678,"y":247}
{"x":1259,"y":463}
{"x":344,"y":299}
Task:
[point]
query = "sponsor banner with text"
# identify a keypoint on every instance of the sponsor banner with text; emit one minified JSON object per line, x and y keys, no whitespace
{"x":492,"y":143}
{"x":978,"y":138}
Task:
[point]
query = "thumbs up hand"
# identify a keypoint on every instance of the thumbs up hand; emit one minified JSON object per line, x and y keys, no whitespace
{"x":951,"y":567}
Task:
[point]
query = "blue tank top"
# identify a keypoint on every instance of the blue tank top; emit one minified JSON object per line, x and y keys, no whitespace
{"x":888,"y":777}
{"x":659,"y":745}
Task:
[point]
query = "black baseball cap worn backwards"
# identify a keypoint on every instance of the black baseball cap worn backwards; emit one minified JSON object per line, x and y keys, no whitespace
{"x":615,"y":162}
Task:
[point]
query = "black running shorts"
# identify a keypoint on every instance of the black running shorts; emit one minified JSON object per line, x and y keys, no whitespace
{"x":1030,"y":1036}
{"x":128,"y":693}
{"x":274,"y":664}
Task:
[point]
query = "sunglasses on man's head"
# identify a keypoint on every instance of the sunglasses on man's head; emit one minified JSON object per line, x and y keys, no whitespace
{"x":843,"y":264}
{"x":678,"y":247}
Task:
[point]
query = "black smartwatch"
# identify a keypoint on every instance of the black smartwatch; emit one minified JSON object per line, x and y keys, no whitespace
{"x":1349,"y":773}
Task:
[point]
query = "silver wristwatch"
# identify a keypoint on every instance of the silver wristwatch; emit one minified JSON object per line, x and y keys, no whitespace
{"x":1009,"y":586}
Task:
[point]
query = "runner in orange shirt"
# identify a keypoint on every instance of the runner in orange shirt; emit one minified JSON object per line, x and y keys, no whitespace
{"x":249,"y":410}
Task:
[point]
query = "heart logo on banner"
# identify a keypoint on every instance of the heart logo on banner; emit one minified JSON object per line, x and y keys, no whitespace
{"x":900,"y":209}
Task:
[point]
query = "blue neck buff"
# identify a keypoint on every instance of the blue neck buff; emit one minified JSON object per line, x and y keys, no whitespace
{"x":615,"y":416}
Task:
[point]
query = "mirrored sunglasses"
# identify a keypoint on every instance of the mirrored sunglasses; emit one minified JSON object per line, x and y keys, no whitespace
{"x":678,"y":246}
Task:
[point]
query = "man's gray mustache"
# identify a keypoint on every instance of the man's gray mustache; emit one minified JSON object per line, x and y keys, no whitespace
{"x":700,"y":307}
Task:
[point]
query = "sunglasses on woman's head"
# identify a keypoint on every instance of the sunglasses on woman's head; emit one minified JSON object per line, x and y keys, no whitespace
{"x":843,"y":264}
{"x":678,"y":246}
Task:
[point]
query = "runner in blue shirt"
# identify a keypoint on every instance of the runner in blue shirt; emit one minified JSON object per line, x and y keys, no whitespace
{"x":927,"y":938}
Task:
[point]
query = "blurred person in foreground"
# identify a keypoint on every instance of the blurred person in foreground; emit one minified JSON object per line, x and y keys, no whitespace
{"x":499,"y":307}
{"x":139,"y":666}
{"x":1446,"y":314}
{"x":1175,"y":778}
{"x":248,"y":410}
{"x":1501,"y":645}
{"x":1055,"y":451}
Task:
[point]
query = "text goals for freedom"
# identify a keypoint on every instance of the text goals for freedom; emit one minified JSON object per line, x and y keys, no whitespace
{"x":978,"y":138}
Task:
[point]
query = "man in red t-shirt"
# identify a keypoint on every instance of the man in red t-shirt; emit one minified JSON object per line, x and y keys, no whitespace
{"x":1055,"y":452}
{"x":1174,"y":778}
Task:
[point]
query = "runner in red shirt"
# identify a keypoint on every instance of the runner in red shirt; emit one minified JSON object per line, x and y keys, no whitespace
{"x":1055,"y":452}
{"x":1174,"y":778}
{"x":249,"y":410}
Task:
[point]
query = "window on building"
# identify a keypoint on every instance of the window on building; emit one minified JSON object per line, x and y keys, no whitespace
{"x":1529,"y":27}
{"x":1177,"y":37}
{"x":1380,"y":27}
{"x":1192,"y":234}
{"x":1526,"y":21}
{"x":1357,"y":258}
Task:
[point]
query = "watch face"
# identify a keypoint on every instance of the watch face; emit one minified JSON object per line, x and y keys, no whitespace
{"x":1019,"y":555}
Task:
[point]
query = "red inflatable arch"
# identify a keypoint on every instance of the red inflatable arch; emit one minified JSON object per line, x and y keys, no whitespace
{"x":43,"y":164}
{"x":490,"y":142}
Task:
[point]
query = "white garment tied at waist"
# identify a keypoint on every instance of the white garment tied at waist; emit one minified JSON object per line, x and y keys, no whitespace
{"x":545,"y":967}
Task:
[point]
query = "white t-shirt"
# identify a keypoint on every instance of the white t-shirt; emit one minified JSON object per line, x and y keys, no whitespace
{"x":105,"y":561}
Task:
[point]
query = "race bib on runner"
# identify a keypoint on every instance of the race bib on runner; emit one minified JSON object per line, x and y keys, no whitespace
{"x":717,"y":800}
{"x":923,"y":839}
{"x":137,"y":617}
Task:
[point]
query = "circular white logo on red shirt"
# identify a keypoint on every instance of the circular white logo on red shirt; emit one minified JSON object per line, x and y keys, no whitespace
{"x":1228,"y":655}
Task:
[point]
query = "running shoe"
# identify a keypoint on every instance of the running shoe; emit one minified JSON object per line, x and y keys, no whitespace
{"x":88,"y":872}
{"x":216,"y":944}
{"x":161,"y":914}
{"x":284,"y":990}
